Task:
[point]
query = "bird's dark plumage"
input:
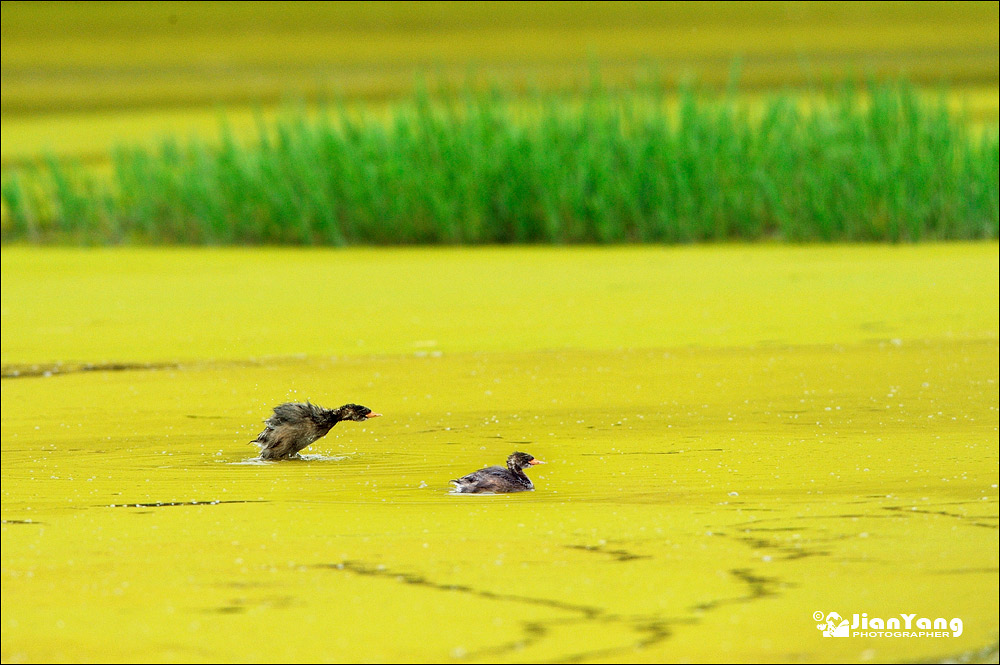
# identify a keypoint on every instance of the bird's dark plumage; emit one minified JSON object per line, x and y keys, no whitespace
{"x":294,"y":426}
{"x":498,"y":480}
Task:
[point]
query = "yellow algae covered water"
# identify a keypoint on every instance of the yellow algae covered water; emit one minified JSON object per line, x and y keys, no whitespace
{"x":736,"y":438}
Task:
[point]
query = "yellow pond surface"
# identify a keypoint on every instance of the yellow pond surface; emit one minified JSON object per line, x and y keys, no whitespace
{"x":739,"y":441}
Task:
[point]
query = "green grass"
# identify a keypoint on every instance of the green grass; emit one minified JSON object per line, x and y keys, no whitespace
{"x":874,"y":164}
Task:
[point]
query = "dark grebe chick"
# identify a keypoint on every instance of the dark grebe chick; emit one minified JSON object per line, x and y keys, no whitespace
{"x":294,"y":426}
{"x":498,"y":480}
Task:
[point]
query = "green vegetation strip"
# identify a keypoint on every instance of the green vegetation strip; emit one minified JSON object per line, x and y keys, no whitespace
{"x":875,"y":164}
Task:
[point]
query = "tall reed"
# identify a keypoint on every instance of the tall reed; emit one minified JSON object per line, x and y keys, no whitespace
{"x":875,"y":163}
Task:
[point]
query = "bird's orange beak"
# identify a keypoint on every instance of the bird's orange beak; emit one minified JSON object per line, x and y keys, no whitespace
{"x":373,"y":415}
{"x":535,"y":461}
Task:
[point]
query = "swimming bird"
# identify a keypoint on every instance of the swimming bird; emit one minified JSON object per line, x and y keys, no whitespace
{"x":498,"y":480}
{"x":294,"y":426}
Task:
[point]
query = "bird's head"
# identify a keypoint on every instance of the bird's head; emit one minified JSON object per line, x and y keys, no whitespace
{"x":356,"y":412}
{"x":520,"y":461}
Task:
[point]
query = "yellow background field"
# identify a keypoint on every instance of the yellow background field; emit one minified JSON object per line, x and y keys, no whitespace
{"x":79,"y":78}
